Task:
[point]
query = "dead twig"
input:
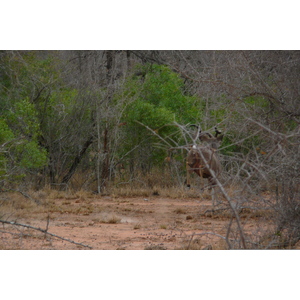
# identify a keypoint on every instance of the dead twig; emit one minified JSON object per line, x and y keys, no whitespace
{"x":47,"y":226}
{"x":228,"y":232}
{"x":44,"y":231}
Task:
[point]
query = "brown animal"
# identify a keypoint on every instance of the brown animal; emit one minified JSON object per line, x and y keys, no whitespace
{"x":203,"y":159}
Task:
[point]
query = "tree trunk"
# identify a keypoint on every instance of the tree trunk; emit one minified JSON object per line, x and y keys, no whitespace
{"x":76,"y":162}
{"x":105,"y":166}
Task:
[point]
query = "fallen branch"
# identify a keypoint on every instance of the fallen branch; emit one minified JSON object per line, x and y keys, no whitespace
{"x":44,"y":231}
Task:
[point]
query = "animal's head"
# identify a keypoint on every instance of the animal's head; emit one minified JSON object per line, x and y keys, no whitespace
{"x":212,"y":141}
{"x":208,"y":139}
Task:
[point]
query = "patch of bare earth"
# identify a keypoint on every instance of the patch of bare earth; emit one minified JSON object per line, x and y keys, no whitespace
{"x":106,"y":223}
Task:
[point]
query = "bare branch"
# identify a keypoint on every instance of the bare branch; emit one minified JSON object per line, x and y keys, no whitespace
{"x":227,"y":198}
{"x":44,"y":231}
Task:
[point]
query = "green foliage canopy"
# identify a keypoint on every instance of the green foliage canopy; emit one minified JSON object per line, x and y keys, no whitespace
{"x":160,"y":101}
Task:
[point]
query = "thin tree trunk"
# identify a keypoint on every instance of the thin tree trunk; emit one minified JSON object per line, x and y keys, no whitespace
{"x":105,"y":166}
{"x":77,"y":160}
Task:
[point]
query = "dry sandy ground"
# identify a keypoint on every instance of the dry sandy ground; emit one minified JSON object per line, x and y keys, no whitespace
{"x":106,"y":223}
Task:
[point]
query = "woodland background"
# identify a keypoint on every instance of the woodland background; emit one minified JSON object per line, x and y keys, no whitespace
{"x":201,"y":25}
{"x":102,"y":120}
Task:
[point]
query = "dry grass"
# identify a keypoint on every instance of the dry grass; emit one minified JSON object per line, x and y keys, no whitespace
{"x":179,"y":211}
{"x":137,"y":226}
{"x":121,"y":200}
{"x":113,"y":220}
{"x":168,"y":192}
{"x":110,"y":215}
{"x":155,"y":247}
{"x":156,"y":183}
{"x":16,"y":205}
